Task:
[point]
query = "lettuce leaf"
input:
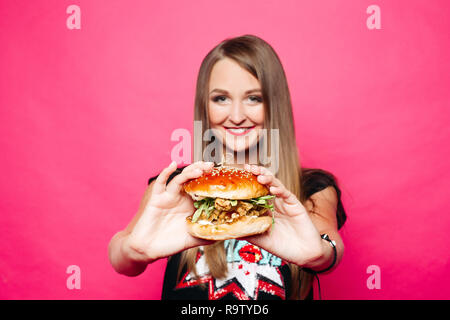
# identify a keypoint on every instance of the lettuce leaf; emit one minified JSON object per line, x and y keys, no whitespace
{"x":263,"y":201}
{"x":207,"y":205}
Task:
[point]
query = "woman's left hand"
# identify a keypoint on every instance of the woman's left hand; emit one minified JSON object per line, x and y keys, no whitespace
{"x":293,"y":237}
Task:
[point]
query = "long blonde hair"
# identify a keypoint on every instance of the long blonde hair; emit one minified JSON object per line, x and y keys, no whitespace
{"x":257,"y":57}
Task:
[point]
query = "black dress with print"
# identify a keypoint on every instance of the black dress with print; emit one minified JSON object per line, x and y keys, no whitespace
{"x":253,"y":273}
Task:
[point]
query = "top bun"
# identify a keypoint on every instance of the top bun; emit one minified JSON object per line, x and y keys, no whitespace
{"x":227,"y":183}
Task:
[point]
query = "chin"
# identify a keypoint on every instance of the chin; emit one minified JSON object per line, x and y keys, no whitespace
{"x":241,"y":143}
{"x":239,"y":147}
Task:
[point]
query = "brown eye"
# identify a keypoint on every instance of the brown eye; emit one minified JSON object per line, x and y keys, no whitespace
{"x":255,"y":99}
{"x":219,"y":99}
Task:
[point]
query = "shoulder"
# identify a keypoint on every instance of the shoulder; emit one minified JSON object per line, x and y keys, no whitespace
{"x":315,"y":180}
{"x":321,"y":188}
{"x":329,"y":194}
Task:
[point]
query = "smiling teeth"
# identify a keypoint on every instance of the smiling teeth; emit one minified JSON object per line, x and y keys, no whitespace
{"x":240,"y":130}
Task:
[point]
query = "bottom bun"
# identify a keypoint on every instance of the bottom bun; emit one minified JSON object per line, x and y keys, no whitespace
{"x":245,"y":226}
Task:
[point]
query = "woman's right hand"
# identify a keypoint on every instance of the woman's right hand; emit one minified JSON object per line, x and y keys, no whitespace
{"x":161,"y":230}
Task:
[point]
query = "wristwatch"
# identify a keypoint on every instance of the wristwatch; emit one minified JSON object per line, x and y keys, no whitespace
{"x":333,"y":245}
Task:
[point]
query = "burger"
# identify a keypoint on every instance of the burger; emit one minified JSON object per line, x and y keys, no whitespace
{"x":230,"y":203}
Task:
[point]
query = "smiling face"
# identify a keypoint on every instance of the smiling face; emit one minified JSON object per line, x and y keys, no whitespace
{"x":235,"y":105}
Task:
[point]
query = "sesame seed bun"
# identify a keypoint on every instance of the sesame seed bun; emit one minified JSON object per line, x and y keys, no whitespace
{"x":227,"y":183}
{"x":231,"y":184}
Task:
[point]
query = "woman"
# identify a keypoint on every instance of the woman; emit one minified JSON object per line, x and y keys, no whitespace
{"x":241,"y":90}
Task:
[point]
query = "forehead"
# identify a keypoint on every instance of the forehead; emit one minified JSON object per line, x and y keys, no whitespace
{"x":227,"y":74}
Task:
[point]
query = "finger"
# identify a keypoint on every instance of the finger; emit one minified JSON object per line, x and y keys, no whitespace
{"x":289,"y":205}
{"x":255,"y":169}
{"x":280,"y":192}
{"x":277,"y":188}
{"x":161,"y":180}
{"x":267,"y":178}
{"x":284,"y":197}
{"x":195,"y":171}
{"x":288,"y":197}
{"x":266,"y":171}
{"x":258,"y":170}
{"x":276,"y":191}
{"x":199,"y":165}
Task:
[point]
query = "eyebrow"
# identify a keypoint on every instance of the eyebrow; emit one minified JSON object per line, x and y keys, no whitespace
{"x":226,"y":92}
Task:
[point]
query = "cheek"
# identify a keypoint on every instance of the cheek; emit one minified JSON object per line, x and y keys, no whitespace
{"x":217,"y":115}
{"x":256,"y":115}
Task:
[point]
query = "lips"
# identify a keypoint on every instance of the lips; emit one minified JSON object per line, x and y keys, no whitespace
{"x":250,"y":253}
{"x":239,"y":131}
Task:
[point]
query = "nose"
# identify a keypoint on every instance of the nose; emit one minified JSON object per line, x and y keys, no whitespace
{"x":237,"y":114}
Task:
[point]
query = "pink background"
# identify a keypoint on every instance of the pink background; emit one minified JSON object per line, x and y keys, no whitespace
{"x":86,"y":118}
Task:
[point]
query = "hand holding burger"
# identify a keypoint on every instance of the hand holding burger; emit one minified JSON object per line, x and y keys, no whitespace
{"x":294,"y":238}
{"x":159,"y":229}
{"x":230,"y":203}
